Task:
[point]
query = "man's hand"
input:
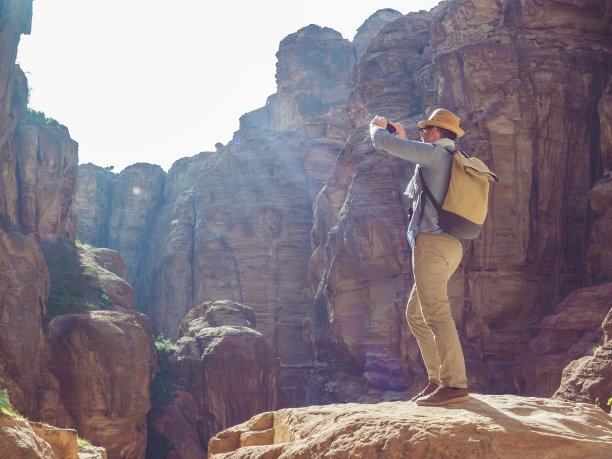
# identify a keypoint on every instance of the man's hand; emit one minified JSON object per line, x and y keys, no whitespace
{"x":380,"y":121}
{"x":400,"y":132}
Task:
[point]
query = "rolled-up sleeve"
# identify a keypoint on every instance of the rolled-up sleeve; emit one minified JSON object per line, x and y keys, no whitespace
{"x":416,"y":152}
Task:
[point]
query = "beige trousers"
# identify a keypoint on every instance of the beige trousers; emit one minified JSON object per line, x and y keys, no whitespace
{"x":435,"y":258}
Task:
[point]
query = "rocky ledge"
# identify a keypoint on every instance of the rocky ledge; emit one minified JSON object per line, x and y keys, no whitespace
{"x":484,"y":426}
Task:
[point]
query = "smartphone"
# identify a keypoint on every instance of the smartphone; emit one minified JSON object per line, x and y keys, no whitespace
{"x":390,"y":128}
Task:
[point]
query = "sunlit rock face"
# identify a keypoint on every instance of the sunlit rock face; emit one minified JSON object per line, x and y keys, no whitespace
{"x":589,"y":379}
{"x":484,"y":426}
{"x":22,"y":307}
{"x":92,"y":203}
{"x":531,"y":81}
{"x":15,"y":19}
{"x":359,"y":273}
{"x":528,"y":100}
{"x":228,"y":367}
{"x":47,"y":161}
{"x":371,"y":27}
{"x":99,"y":364}
{"x":137,"y":191}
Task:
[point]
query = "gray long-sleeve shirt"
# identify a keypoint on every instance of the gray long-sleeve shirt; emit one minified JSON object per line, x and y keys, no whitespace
{"x":434,"y":160}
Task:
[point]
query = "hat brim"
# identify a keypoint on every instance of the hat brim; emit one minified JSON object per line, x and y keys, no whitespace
{"x":450,"y":127}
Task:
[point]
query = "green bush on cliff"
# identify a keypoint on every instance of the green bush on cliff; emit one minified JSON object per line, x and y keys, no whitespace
{"x":163,"y":386}
{"x":5,"y":402}
{"x":73,"y":287}
{"x":39,"y":118}
{"x":163,"y":392}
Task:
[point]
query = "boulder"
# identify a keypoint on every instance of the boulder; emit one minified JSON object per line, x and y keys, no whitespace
{"x":484,"y":426}
{"x":103,"y":362}
{"x":589,"y":379}
{"x":229,"y":369}
{"x":570,"y":333}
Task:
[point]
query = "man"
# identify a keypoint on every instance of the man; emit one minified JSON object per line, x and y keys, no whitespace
{"x":435,"y":254}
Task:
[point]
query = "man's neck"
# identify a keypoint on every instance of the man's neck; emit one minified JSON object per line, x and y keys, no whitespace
{"x":444,"y":142}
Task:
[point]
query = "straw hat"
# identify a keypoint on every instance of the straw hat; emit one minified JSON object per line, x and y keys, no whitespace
{"x":444,"y":119}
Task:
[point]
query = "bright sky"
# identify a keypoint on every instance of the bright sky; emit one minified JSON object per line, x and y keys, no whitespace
{"x":154,"y":81}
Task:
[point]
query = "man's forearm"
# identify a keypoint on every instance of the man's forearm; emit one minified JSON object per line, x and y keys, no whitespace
{"x":416,"y":152}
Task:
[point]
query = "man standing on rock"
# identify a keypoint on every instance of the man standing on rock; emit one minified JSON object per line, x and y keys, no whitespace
{"x":435,"y":253}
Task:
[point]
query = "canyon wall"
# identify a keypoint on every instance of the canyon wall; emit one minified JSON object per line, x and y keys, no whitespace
{"x":74,"y":351}
{"x":527,"y":85}
{"x":295,"y":231}
{"x":301,"y":219}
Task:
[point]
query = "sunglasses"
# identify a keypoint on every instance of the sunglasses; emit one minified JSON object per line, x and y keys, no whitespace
{"x":421,"y":130}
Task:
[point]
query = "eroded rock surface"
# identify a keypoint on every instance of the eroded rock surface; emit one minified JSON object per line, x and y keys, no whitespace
{"x":22,"y":307}
{"x":102,"y":362}
{"x":571,"y":332}
{"x":228,"y":368}
{"x":484,"y":426}
{"x":589,"y":379}
{"x":47,"y":161}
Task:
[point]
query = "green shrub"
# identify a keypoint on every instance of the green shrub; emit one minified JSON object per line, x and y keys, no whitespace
{"x":71,"y":289}
{"x":5,"y":403}
{"x":163,"y":386}
{"x":39,"y":118}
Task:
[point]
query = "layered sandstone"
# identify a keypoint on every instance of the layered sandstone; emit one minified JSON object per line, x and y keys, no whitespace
{"x":371,"y":27}
{"x":359,"y":273}
{"x":94,"y":186}
{"x":570,"y":333}
{"x":484,"y":426}
{"x":24,"y":439}
{"x":47,"y":161}
{"x":530,"y":112}
{"x":102,"y":362}
{"x":229,"y":370}
{"x":589,"y":379}
{"x":238,"y":223}
{"x":99,"y":362}
{"x":15,"y":19}
{"x":22,"y":307}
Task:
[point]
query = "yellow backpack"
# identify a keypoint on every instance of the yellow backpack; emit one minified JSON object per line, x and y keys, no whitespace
{"x":465,"y":205}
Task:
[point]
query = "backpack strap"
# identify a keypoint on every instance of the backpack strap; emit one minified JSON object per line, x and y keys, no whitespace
{"x":428,"y":193}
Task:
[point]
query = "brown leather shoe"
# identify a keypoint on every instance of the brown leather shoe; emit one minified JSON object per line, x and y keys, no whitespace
{"x":445,"y":395}
{"x":431,"y":387}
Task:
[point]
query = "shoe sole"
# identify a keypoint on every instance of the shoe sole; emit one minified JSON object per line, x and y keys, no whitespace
{"x":443,"y":402}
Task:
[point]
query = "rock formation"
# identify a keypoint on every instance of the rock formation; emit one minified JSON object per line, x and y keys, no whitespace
{"x":46,"y":173}
{"x":359,"y":271}
{"x":301,"y":220}
{"x":94,"y":185}
{"x":589,"y":379}
{"x":571,"y":332}
{"x":527,"y":116}
{"x":484,"y":426}
{"x":226,"y":368}
{"x":15,"y":19}
{"x":100,"y":363}
{"x":24,"y":439}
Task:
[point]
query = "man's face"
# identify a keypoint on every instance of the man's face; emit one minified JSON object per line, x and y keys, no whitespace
{"x":429,"y":134}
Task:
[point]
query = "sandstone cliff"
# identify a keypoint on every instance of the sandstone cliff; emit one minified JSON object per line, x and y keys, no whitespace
{"x":21,"y":438}
{"x":225,"y":370}
{"x":531,"y":113}
{"x":74,"y":351}
{"x":299,"y":217}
